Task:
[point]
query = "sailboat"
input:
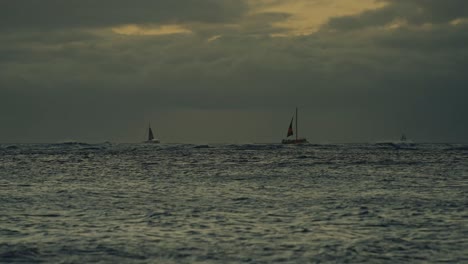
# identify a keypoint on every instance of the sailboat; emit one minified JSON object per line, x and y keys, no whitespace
{"x":404,"y":142}
{"x":296,"y":140}
{"x":403,"y":138}
{"x":151,"y":138}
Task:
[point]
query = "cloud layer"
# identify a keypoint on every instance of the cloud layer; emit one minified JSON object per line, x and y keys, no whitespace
{"x":53,"y":14}
{"x":231,"y":71}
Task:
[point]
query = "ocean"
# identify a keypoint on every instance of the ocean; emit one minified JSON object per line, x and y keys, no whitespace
{"x":251,"y":203}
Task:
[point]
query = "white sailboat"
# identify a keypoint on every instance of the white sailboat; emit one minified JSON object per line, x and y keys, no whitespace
{"x":295,"y":140}
{"x":151,"y":138}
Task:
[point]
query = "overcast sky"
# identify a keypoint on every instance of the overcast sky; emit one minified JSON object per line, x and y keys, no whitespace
{"x":206,"y":71}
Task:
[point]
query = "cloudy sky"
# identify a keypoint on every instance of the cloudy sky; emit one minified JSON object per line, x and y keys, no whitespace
{"x":205,"y":71}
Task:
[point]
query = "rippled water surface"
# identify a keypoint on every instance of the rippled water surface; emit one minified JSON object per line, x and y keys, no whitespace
{"x":124,"y":203}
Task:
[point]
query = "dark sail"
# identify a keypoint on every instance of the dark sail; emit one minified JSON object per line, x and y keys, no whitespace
{"x":291,"y":132}
{"x":150,"y":135}
{"x":290,"y":129}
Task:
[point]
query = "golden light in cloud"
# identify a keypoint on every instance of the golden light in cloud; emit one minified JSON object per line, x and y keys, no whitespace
{"x":213,"y":38}
{"x":396,"y":24}
{"x":308,"y":15}
{"x":459,"y":21}
{"x":134,"y":29}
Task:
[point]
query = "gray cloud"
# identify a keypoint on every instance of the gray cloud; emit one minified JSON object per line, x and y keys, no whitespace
{"x":352,"y":85}
{"x":50,"y":14}
{"x":416,"y":12}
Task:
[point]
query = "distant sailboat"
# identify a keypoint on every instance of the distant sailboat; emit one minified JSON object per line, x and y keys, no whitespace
{"x":151,"y":138}
{"x":296,"y":140}
{"x":404,"y":142}
{"x":403,"y":138}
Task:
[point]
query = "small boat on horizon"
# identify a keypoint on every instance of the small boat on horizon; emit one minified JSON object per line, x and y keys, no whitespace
{"x":151,"y":138}
{"x":296,"y":140}
{"x":404,"y":142}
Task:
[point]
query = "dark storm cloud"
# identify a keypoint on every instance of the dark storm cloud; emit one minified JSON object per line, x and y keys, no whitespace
{"x":45,"y":14}
{"x":416,"y":69}
{"x":416,"y":12}
{"x":358,"y":82}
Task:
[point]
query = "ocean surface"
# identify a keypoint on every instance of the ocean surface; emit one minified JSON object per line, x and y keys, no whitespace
{"x":257,"y":203}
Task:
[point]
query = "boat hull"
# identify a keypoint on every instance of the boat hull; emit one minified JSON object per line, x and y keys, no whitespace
{"x":154,"y":141}
{"x":295,"y":141}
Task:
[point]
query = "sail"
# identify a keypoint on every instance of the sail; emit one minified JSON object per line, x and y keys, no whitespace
{"x":290,"y":129}
{"x":150,"y":134}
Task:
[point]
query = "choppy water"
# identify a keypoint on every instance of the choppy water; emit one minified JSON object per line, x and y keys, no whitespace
{"x":75,"y":203}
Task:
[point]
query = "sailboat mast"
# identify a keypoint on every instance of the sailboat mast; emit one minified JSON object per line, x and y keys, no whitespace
{"x":297,"y":131}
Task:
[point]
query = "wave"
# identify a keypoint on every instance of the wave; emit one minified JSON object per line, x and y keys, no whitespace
{"x":18,"y":253}
{"x":71,"y":143}
{"x":12,"y":147}
{"x":458,"y":148}
{"x":201,"y":147}
{"x":255,"y":146}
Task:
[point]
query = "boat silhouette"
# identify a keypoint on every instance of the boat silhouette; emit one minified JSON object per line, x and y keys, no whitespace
{"x":297,"y":139}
